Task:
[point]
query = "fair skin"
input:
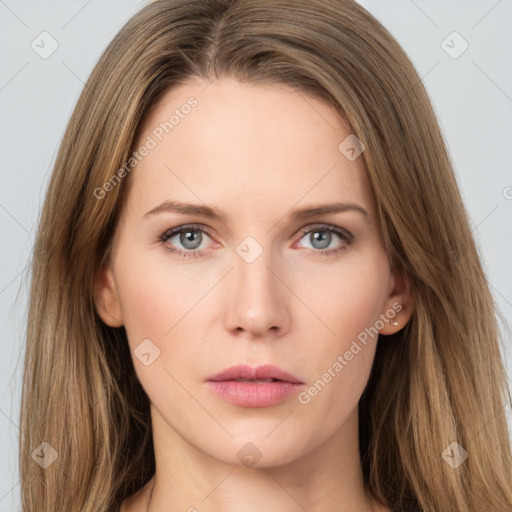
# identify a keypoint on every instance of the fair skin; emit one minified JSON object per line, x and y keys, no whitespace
{"x":254,"y":153}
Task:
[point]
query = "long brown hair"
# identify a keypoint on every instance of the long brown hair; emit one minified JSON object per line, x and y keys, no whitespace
{"x":439,"y":380}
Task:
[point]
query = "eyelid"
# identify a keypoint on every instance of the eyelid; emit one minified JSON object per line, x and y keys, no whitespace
{"x":327,"y":227}
{"x":177,"y":229}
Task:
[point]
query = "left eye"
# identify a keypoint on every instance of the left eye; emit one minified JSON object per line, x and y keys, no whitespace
{"x":321,"y":237}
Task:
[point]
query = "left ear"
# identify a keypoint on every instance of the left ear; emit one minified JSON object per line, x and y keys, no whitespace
{"x":400,"y":303}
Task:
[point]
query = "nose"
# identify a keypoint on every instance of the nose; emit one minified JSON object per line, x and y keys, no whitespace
{"x":256,"y":298}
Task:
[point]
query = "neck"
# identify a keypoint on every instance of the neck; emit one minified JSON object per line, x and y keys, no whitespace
{"x":329,"y":477}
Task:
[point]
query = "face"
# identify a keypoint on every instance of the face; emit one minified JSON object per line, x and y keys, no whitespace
{"x":260,"y":284}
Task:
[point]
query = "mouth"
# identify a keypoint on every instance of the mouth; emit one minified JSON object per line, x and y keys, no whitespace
{"x":261,"y":386}
{"x":264,"y":373}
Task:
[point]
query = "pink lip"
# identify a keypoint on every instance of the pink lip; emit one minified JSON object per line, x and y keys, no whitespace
{"x":243,"y":371}
{"x":254,"y":394}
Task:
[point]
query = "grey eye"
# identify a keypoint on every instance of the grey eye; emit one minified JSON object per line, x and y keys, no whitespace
{"x":321,"y":237}
{"x":190,"y":238}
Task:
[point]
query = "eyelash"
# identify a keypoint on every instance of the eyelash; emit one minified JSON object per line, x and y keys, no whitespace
{"x":347,"y":237}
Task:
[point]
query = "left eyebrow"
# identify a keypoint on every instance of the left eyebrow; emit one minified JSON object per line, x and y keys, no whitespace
{"x":214,"y":213}
{"x":326,"y":209}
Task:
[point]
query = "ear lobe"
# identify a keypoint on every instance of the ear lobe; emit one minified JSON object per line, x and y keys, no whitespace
{"x":106,"y":300}
{"x":399,"y":305}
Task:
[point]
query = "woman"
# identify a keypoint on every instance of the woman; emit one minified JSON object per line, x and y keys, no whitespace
{"x":254,"y":281}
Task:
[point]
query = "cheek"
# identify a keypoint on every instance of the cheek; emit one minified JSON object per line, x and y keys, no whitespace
{"x":161,"y":302}
{"x":357,"y":300}
{"x":145,"y":304}
{"x":340,"y":362}
{"x":154,"y":308}
{"x":154,"y":291}
{"x":346,"y":298}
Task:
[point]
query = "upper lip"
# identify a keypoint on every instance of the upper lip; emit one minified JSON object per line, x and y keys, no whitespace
{"x":243,"y":371}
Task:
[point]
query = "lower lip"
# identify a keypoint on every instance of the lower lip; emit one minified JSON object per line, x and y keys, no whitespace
{"x":252,"y":394}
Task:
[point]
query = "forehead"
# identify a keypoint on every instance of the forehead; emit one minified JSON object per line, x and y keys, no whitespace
{"x":244,"y":144}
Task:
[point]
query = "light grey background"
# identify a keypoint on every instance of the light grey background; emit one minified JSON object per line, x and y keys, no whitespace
{"x":472,"y":95}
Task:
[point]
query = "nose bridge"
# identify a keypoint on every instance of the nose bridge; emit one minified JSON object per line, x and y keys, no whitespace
{"x":256,"y":302}
{"x":252,"y":269}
